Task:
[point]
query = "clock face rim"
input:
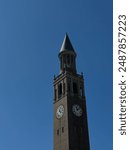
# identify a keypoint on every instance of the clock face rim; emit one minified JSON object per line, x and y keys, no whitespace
{"x":59,"y":111}
{"x":79,"y":112}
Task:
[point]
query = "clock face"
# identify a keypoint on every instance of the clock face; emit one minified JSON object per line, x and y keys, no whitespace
{"x":77,"y":110}
{"x":60,"y":111}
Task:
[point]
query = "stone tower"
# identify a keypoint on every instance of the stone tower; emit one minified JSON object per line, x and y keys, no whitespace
{"x":70,"y":117}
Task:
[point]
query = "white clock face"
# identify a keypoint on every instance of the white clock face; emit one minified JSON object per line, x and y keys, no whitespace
{"x":77,"y":110}
{"x":60,"y":111}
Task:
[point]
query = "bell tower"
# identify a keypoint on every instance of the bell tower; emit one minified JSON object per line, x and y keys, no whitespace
{"x":70,"y":115}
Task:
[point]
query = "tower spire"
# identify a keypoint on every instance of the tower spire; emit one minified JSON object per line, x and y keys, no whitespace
{"x":66,"y":45}
{"x":67,"y":56}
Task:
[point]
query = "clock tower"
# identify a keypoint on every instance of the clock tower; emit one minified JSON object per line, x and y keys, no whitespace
{"x":70,"y":117}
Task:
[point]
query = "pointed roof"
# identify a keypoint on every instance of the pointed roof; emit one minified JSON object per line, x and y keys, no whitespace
{"x":66,"y":45}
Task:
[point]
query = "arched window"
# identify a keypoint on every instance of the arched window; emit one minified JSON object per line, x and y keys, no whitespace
{"x":62,"y":129}
{"x":60,"y":90}
{"x":58,"y":132}
{"x":64,"y":59}
{"x":81,"y":91}
{"x":68,"y":59}
{"x":63,"y":88}
{"x":69,"y":84}
{"x":55,"y":93}
{"x":75,"y":89}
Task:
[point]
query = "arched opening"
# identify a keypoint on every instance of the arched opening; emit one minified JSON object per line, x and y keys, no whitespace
{"x":81,"y":91}
{"x":75,"y":89}
{"x":60,"y":90}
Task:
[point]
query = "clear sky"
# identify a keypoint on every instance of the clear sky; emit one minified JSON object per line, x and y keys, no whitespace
{"x":31,"y":34}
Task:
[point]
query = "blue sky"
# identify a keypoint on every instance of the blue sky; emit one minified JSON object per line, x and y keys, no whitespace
{"x":31,"y":34}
